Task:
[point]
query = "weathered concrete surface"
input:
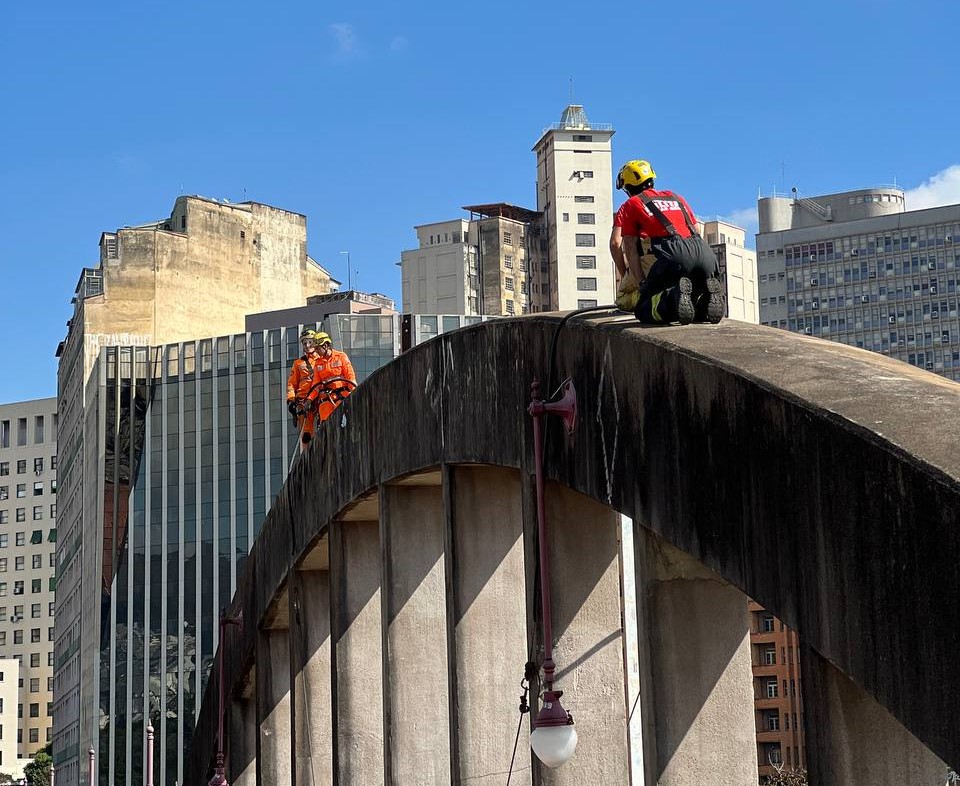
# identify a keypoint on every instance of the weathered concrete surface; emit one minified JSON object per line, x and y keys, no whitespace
{"x":414,"y":628}
{"x":698,"y":632}
{"x":357,"y":653}
{"x":489,"y":621}
{"x":241,"y":742}
{"x":274,"y":743}
{"x":778,"y":461}
{"x":585,"y":601}
{"x":852,"y":740}
{"x":311,"y":702}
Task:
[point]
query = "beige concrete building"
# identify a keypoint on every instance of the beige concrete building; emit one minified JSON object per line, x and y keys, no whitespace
{"x":9,"y":677}
{"x":480,"y":265}
{"x":575,"y":194}
{"x":738,"y":268}
{"x":28,"y":537}
{"x":197,"y":273}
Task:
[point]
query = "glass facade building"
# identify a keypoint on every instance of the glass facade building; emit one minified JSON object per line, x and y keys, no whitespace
{"x":196,"y":443}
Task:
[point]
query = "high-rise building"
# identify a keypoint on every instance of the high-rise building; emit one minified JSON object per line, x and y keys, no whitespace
{"x":778,"y":699}
{"x":197,"y":273}
{"x":28,"y":539}
{"x":575,"y":194}
{"x":481,"y":265}
{"x":196,"y":444}
{"x":738,"y":268}
{"x":858,"y":268}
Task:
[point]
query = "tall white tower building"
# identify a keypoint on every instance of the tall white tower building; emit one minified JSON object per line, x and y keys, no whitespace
{"x":575,"y":194}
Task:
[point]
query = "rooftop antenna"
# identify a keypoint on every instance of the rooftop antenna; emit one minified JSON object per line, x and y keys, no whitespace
{"x":571,"y":89}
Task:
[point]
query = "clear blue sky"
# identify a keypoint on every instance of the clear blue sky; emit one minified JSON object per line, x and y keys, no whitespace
{"x":373,"y":117}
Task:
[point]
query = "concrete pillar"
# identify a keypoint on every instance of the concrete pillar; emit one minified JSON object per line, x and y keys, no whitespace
{"x":310,"y":670}
{"x":273,"y":707}
{"x":356,"y":653}
{"x":412,"y":524}
{"x":852,"y":740}
{"x":694,"y":635}
{"x":241,"y":742}
{"x":585,"y":593}
{"x":489,"y":623}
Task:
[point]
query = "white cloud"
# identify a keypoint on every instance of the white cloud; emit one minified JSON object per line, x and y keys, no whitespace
{"x":348,"y":45}
{"x":399,"y":43}
{"x":745,"y":217}
{"x":941,"y":189}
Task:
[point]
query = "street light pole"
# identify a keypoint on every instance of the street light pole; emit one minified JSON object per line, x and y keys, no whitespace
{"x":219,"y":776}
{"x":349,"y":271}
{"x":92,"y":757}
{"x":149,"y":778}
{"x":554,"y":738}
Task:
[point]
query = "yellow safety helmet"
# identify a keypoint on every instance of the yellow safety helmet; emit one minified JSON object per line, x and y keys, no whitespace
{"x":322,"y":338}
{"x":635,"y":173}
{"x":308,"y":333}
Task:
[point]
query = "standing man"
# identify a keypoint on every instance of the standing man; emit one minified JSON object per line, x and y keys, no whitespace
{"x":319,"y":380}
{"x":655,"y":240}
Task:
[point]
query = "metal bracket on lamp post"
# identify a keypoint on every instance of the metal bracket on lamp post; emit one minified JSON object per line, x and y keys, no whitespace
{"x":566,"y":408}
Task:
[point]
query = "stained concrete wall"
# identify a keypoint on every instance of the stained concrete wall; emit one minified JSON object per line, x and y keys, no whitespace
{"x":852,"y":740}
{"x":241,"y":742}
{"x":274,"y":741}
{"x":311,"y":702}
{"x":733,"y":443}
{"x":415,"y":706}
{"x":358,"y":756}
{"x":698,"y":668}
{"x":584,"y":555}
{"x":489,"y":622}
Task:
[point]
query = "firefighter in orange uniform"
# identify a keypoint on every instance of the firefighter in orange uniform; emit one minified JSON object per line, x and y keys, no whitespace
{"x":307,"y":394}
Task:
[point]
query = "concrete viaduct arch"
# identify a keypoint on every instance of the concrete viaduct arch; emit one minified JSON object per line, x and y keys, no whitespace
{"x":389,"y":604}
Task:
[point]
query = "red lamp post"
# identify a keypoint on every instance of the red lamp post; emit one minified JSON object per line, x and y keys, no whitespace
{"x":149,"y":779}
{"x":91,"y":761}
{"x":219,"y":777}
{"x":554,"y":738}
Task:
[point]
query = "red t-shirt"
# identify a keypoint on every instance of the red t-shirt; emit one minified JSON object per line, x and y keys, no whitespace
{"x":635,"y":220}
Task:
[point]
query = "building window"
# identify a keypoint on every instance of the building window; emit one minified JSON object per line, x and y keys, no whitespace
{"x":37,"y":561}
{"x":21,"y":490}
{"x":510,"y":307}
{"x":586,"y":218}
{"x":582,"y":173}
{"x":508,"y":260}
{"x":583,"y":198}
{"x":38,"y":512}
{"x":566,"y":217}
{"x":3,"y":564}
{"x":3,"y":540}
{"x":18,"y":563}
{"x":766,"y":623}
{"x":586,"y":262}
{"x":772,"y":688}
{"x":4,"y":467}
{"x":583,"y":137}
{"x":5,"y":434}
{"x":587,"y":284}
{"x":770,"y":656}
{"x":586,"y":303}
{"x":586,"y":241}
{"x":773,"y":722}
{"x":21,"y":432}
{"x":53,"y":462}
{"x":35,"y":614}
{"x":18,"y":637}
{"x":508,"y":284}
{"x":21,"y":466}
{"x":21,"y":538}
{"x":38,"y":466}
{"x":36,"y":537}
{"x":38,"y":430}
{"x":18,"y":588}
{"x":507,"y":239}
{"x":4,"y":492}
{"x":34,"y":639}
{"x":34,"y":735}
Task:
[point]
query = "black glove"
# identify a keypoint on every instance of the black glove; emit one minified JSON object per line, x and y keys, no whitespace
{"x":292,"y":407}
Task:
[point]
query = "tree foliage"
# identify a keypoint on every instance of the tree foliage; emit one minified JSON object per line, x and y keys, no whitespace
{"x":37,"y":772}
{"x":784,"y":777}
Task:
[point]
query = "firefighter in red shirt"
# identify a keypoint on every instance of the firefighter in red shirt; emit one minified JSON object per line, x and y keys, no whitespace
{"x":319,"y":380}
{"x":655,"y":240}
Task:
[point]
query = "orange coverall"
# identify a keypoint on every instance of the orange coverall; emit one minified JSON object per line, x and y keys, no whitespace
{"x":311,"y":370}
